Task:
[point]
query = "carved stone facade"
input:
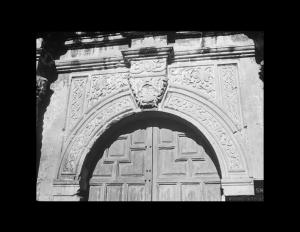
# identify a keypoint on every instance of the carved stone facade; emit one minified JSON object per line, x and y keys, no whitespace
{"x":199,"y":77}
{"x":208,"y":82}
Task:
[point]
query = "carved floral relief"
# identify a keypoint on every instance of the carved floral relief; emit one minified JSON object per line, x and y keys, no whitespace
{"x":199,"y":77}
{"x":148,"y":90}
{"x":107,"y":113}
{"x":147,"y":66}
{"x":230,"y":95}
{"x":77,"y":99}
{"x":234,"y":160}
{"x":103,"y":85}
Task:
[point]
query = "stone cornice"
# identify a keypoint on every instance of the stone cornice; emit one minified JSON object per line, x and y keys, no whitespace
{"x":96,"y":63}
{"x":214,"y":53}
{"x":147,"y":53}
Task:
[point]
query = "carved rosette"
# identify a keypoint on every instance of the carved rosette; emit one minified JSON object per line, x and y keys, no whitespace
{"x":234,"y":161}
{"x":148,"y":81}
{"x":200,"y":77}
{"x":107,"y":113}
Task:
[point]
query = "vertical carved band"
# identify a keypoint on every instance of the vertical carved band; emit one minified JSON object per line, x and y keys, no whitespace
{"x":233,"y":160}
{"x":83,"y":138}
{"x":77,"y":99}
{"x":230,"y":94}
{"x":199,"y":77}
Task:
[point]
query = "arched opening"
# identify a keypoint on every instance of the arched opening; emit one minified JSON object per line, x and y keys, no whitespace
{"x":151,"y":156}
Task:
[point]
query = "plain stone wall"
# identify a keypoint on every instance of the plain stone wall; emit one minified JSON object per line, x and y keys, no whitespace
{"x":252,"y":103}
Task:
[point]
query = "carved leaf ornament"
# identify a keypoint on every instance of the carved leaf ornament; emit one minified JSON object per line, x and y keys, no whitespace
{"x":230,"y":91}
{"x":103,"y":85}
{"x":72,"y":159}
{"x":148,"y":66}
{"x":196,"y":77}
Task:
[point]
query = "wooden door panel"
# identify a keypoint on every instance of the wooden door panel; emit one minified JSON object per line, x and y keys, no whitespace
{"x":191,"y":192}
{"x":167,"y":192}
{"x":212,"y":192}
{"x":182,"y":164}
{"x":134,"y":167}
{"x":157,"y":159}
{"x":96,"y":193}
{"x":167,"y":164}
{"x":123,"y":168}
{"x":114,"y":192}
{"x":136,"y":192}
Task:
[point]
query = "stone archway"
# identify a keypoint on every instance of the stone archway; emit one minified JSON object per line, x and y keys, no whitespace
{"x":149,"y":87}
{"x":204,"y":185}
{"x":199,"y":112}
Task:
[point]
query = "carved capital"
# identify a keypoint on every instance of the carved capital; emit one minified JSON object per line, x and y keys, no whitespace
{"x":41,"y":84}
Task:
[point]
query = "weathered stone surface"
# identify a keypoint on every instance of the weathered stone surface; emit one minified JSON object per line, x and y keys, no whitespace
{"x":211,"y":82}
{"x":53,"y":136}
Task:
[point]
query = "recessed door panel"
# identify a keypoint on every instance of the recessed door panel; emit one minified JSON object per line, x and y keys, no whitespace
{"x":158,"y":160}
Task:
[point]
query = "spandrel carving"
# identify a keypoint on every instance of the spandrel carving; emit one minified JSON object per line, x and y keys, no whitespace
{"x":103,"y":85}
{"x":200,"y":78}
{"x":233,"y":159}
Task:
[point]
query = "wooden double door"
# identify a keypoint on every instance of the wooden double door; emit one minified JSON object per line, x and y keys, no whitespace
{"x":155,"y":160}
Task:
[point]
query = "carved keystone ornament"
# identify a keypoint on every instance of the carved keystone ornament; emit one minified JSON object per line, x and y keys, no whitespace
{"x":148,"y":81}
{"x":148,"y":74}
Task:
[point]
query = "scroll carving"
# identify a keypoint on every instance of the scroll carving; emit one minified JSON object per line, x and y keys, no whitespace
{"x":148,"y":91}
{"x":200,"y":77}
{"x":230,"y":93}
{"x":103,"y":85}
{"x":234,"y":160}
{"x":77,"y":100}
{"x":147,"y":66}
{"x":113,"y":109}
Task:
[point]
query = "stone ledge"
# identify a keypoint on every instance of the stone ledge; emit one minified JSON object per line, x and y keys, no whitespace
{"x":235,"y":187}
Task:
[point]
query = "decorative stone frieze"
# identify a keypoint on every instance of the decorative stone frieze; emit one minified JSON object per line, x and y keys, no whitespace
{"x":198,"y":77}
{"x":234,"y":161}
{"x":108,"y":112}
{"x":104,"y":84}
{"x":230,"y":97}
{"x":148,"y":67}
{"x":77,"y":99}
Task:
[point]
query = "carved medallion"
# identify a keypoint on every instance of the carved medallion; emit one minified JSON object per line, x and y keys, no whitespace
{"x":148,"y":91}
{"x":148,"y":81}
